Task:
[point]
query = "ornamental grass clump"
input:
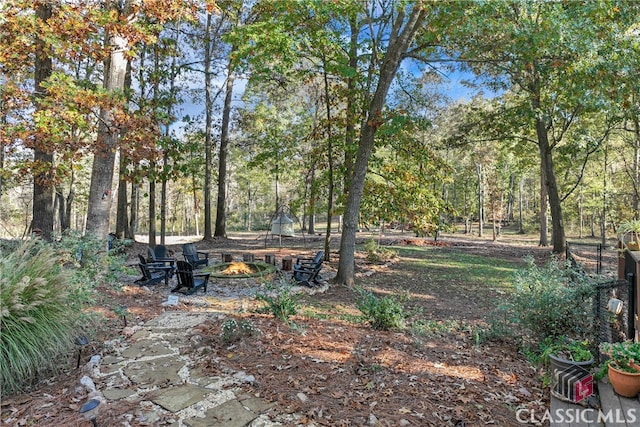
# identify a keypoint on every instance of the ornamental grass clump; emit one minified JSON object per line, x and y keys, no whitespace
{"x":280,"y":299}
{"x":37,"y":317}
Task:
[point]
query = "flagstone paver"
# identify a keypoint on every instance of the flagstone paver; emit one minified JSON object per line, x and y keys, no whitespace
{"x":177,"y":398}
{"x":148,"y":368}
{"x":230,"y":414}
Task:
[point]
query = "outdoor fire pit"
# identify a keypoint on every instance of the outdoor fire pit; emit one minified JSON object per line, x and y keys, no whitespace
{"x":239,"y":270}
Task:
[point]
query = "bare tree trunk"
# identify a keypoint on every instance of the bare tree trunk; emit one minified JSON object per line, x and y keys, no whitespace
{"x":42,"y":213}
{"x":152,"y":206}
{"x":196,"y":207}
{"x":311,"y":209}
{"x":399,"y":41}
{"x":327,"y":100}
{"x":480,"y":175}
{"x":133,"y":211}
{"x":221,"y":208}
{"x":544,"y":239}
{"x":122,"y":221}
{"x":581,"y":216}
{"x":520,"y":207}
{"x":350,"y":130}
{"x":107,"y":139}
{"x":163,"y":207}
{"x":208,"y":149}
{"x":511,"y":198}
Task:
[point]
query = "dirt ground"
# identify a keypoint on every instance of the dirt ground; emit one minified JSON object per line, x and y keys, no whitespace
{"x":326,"y":368}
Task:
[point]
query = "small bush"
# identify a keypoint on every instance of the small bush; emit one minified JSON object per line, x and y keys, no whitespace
{"x":382,"y":313}
{"x":280,"y":299}
{"x":37,"y":314}
{"x":233,"y":330}
{"x":548,"y":302}
{"x":89,"y":260}
{"x":377,"y":253}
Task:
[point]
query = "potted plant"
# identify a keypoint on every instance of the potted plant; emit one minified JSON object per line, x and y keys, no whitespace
{"x":561,"y":354}
{"x":564,"y":352}
{"x":622,"y":366}
{"x":630,"y":230}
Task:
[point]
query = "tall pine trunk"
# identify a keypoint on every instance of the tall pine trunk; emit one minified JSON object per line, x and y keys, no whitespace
{"x":221,"y":208}
{"x":208,"y":149}
{"x":122,"y":220}
{"x":115,"y":70}
{"x":42,"y":218}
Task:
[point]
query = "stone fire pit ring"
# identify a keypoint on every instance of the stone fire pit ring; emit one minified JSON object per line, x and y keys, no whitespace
{"x":258,"y":269}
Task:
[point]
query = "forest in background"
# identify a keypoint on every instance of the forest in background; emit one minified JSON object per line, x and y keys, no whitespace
{"x":215,"y":116}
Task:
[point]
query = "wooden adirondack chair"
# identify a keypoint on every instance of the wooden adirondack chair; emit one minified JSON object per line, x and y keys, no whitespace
{"x":190,"y":280}
{"x":307,"y":270}
{"x":153,"y":273}
{"x":158,"y":255}
{"x":193,"y":256}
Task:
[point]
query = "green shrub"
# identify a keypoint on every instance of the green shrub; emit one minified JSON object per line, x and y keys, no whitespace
{"x":280,"y":299}
{"x":89,"y":260}
{"x":377,"y":253}
{"x":37,"y":316}
{"x":381,"y":313}
{"x":548,"y":302}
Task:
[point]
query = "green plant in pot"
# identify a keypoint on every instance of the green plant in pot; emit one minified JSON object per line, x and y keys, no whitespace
{"x":622,"y":366}
{"x":568,"y":351}
{"x":562,"y":353}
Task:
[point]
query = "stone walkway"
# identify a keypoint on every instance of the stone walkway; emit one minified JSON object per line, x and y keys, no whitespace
{"x":148,"y":368}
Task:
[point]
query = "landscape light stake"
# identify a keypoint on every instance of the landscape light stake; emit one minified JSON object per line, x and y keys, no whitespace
{"x":90,"y":411}
{"x":81,"y":341}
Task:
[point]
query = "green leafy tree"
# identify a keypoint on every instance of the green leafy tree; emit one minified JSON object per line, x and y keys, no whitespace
{"x":537,"y":51}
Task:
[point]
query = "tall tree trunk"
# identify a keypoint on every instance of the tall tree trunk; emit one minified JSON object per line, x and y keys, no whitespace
{"x":480,"y":175}
{"x":311,"y":209}
{"x":208,"y":149}
{"x":64,"y":205}
{"x":152,"y":206}
{"x":511,"y":198}
{"x":544,"y":222}
{"x":68,"y":209}
{"x":327,"y":101}
{"x":133,"y":211}
{"x":605,"y":191}
{"x":221,"y":208}
{"x":557,"y":224}
{"x":350,"y":130}
{"x":163,"y":205}
{"x":520,"y":207}
{"x":196,"y":205}
{"x":42,"y":218}
{"x":115,"y":70}
{"x":399,"y":41}
{"x":122,"y":220}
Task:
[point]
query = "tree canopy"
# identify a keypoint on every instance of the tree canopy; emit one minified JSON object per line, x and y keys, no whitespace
{"x":329,"y":109}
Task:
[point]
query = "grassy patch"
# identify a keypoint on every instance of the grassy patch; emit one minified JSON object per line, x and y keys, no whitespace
{"x":456,"y":266}
{"x":320,"y":310}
